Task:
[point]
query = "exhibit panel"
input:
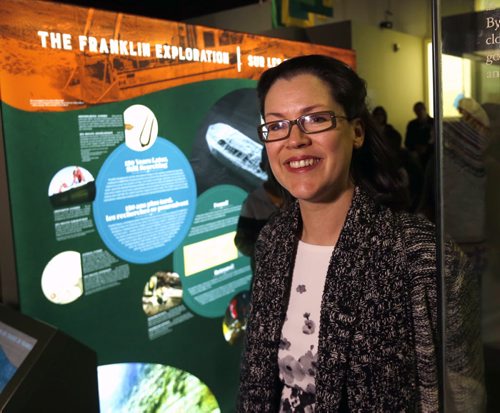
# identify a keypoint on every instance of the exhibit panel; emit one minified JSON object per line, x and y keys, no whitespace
{"x":130,"y":145}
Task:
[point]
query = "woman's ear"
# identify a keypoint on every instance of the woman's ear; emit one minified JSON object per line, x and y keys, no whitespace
{"x":359,"y":133}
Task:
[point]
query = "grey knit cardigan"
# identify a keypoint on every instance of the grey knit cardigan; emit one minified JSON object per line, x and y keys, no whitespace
{"x":378,"y":325}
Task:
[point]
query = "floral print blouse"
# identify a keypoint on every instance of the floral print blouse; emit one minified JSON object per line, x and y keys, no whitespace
{"x":298,"y":352}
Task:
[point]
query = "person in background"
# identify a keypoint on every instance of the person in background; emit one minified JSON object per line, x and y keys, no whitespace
{"x":257,"y":208}
{"x":408,"y":164}
{"x":390,"y":133}
{"x":344,"y":298}
{"x":419,"y":134}
{"x":465,"y":142}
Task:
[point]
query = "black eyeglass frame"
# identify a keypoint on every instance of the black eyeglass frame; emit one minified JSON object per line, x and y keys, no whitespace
{"x":297,"y":122}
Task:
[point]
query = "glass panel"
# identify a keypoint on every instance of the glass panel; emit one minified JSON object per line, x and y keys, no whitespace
{"x":470,"y":167}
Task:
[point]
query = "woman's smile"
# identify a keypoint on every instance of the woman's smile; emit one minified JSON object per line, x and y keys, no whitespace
{"x":302,"y":164}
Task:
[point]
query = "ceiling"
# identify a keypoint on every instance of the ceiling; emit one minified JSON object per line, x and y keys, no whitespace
{"x":177,"y":10}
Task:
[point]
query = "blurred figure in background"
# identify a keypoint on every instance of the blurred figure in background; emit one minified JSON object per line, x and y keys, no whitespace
{"x":259,"y":206}
{"x":409,"y":164}
{"x":419,"y":134}
{"x":392,"y":135}
{"x":464,"y":144}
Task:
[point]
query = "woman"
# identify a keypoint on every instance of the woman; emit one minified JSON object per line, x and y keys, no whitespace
{"x":344,"y":298}
{"x":380,"y":117}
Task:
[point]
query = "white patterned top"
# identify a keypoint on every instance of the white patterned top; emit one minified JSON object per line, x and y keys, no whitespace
{"x":298,"y":351}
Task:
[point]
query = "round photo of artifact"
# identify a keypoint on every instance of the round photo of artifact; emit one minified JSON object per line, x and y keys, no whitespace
{"x":226,"y":148}
{"x":62,"y":278}
{"x":71,"y":185}
{"x":235,"y":318}
{"x":162,"y":292}
{"x":141,"y":127}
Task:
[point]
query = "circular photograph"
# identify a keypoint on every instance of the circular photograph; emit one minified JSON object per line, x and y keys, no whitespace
{"x":235,"y":319}
{"x":141,"y":127}
{"x":62,"y":281}
{"x":71,"y":185}
{"x":147,"y":387}
{"x":226,"y":149}
{"x":162,"y":292}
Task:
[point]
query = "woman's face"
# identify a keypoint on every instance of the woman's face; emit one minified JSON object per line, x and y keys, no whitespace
{"x":313,"y":168}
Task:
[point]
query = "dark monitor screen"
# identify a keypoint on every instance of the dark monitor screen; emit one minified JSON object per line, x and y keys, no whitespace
{"x":14,"y":348}
{"x":43,"y":369}
{"x":22,"y":341}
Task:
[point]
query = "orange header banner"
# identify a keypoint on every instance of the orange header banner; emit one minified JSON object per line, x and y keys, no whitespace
{"x":57,"y":57}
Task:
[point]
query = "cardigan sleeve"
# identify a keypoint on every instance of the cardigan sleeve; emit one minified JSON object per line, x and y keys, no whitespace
{"x":259,"y":380}
{"x":464,"y":353}
{"x":464,"y":383}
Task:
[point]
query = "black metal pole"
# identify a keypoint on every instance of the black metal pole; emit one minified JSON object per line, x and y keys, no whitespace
{"x":438,"y":136}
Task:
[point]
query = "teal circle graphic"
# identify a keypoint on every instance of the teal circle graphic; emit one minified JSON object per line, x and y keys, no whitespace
{"x":211,"y":268}
{"x":145,"y":201}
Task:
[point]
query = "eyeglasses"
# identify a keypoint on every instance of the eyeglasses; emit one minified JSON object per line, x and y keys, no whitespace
{"x":310,"y":123}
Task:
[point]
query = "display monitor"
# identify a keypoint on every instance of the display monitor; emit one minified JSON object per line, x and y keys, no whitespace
{"x":14,"y":348}
{"x":43,"y":369}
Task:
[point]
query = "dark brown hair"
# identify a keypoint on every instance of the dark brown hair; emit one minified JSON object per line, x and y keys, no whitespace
{"x":373,"y":166}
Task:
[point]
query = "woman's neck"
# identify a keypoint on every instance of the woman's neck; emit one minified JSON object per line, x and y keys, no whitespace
{"x":323,"y":222}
